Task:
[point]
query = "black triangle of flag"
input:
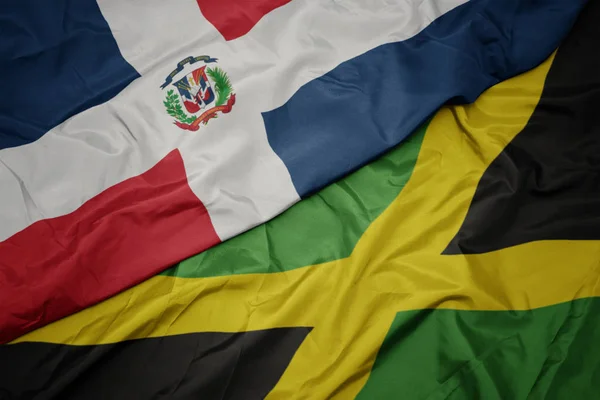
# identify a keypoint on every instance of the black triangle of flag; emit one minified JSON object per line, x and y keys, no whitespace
{"x":210,"y":365}
{"x":545,"y":185}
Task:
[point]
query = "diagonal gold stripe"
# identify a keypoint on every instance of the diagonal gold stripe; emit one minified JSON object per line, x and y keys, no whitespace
{"x":396,"y":266}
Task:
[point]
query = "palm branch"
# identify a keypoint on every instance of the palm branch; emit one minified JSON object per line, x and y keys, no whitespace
{"x":222,"y":84}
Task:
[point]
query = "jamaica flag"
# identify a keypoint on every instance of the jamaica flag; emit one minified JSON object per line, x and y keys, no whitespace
{"x":463,"y":264}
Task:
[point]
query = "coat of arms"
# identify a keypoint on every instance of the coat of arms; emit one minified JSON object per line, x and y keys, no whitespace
{"x":196,"y":96}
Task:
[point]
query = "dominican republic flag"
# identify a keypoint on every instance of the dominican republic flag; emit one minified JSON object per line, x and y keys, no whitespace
{"x":135,"y":134}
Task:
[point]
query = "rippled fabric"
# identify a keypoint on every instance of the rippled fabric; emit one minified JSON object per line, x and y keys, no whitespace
{"x":372,"y":102}
{"x":57,"y":59}
{"x":304,"y":93}
{"x":208,"y":365}
{"x":328,"y":223}
{"x":545,"y":353}
{"x":234,"y":18}
{"x":545,"y":185}
{"x":394,"y":317}
{"x":382,"y":310}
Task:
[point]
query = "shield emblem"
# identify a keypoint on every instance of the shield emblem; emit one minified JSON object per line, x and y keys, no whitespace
{"x":206,"y":92}
{"x":195,"y":90}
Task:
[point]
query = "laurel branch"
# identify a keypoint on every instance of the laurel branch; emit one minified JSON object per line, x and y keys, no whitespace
{"x":175,"y":109}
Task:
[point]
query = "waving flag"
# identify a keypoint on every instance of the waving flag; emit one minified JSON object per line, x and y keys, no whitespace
{"x":462,"y":264}
{"x":134,"y":135}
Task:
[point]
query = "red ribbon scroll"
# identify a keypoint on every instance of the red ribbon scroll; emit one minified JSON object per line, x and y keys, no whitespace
{"x":208,"y":114}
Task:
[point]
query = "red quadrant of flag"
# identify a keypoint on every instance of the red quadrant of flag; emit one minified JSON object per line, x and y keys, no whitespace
{"x":121,"y":237}
{"x":235,"y":18}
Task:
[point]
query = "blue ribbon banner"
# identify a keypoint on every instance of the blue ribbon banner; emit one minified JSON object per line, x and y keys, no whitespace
{"x":182,"y":63}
